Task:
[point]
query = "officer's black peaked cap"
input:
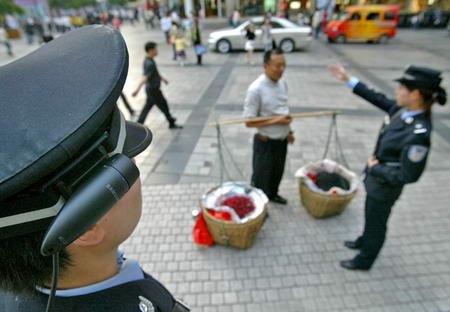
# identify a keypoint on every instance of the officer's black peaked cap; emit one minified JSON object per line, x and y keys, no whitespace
{"x":53,"y":101}
{"x":421,"y":77}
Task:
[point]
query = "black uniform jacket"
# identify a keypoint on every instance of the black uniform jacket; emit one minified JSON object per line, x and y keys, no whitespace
{"x":402,"y":148}
{"x":145,"y":295}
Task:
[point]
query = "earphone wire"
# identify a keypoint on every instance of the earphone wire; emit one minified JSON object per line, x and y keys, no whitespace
{"x":51,"y":297}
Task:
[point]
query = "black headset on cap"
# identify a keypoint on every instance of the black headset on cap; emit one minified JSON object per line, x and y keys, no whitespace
{"x":104,"y":185}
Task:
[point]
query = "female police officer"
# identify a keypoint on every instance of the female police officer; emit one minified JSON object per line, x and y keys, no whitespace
{"x":400,"y":154}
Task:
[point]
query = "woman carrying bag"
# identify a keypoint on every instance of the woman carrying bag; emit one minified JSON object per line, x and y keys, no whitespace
{"x":400,"y":154}
{"x":197,"y":41}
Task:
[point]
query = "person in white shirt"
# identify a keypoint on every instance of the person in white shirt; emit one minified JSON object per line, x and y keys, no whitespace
{"x":166,"y":25}
{"x":268,"y":96}
{"x":5,"y":41}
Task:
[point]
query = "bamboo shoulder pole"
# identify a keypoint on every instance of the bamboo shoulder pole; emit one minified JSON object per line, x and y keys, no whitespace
{"x":295,"y":115}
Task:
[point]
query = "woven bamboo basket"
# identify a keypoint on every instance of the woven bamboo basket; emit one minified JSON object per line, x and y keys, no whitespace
{"x":321,"y":205}
{"x":234,"y":234}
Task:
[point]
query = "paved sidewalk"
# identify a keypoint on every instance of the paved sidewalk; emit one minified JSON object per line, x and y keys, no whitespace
{"x":293,"y":265}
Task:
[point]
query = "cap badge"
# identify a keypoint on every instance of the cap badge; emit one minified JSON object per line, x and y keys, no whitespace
{"x":146,"y":305}
{"x":409,"y":120}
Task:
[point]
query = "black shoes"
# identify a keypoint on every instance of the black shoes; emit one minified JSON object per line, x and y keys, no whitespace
{"x":353,"y":265}
{"x":175,"y":126}
{"x":278,"y":199}
{"x":352,"y":244}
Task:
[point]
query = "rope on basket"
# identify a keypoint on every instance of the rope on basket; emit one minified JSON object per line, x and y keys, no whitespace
{"x":221,"y":146}
{"x":339,"y":151}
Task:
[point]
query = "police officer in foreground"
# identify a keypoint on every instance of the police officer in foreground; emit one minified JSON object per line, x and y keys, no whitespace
{"x":400,"y":154}
{"x":69,"y":192}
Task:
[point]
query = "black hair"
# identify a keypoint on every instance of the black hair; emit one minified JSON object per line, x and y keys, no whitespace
{"x":268,"y":54}
{"x":150,"y":46}
{"x":22,"y":267}
{"x":430,"y":96}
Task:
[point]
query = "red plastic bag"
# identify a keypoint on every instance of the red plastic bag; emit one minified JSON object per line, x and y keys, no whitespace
{"x":201,"y":233}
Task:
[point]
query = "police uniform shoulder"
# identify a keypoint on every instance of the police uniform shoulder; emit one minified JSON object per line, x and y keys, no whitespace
{"x":421,"y":126}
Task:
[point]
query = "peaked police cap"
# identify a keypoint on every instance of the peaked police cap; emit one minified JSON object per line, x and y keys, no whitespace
{"x":55,"y":102}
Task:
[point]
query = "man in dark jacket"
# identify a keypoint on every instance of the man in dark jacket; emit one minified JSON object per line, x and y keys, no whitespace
{"x":152,"y":80}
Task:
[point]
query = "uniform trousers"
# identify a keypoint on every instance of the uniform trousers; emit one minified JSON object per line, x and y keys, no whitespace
{"x":377,"y":213}
{"x":155,"y":96}
{"x":269,"y":157}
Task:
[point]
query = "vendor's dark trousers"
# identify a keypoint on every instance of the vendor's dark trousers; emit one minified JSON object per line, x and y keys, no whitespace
{"x":269,"y":157}
{"x":376,"y":218}
{"x":155,"y":96}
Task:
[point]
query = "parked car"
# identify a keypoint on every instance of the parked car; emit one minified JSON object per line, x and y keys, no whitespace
{"x":287,"y":35}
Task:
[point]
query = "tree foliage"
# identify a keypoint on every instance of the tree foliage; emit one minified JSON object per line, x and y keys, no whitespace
{"x":118,"y":2}
{"x":9,"y":7}
{"x":71,"y":4}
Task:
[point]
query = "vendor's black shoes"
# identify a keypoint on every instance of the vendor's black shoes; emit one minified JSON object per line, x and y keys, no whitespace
{"x":175,"y":126}
{"x":352,"y":244}
{"x":352,"y":265}
{"x":278,"y":199}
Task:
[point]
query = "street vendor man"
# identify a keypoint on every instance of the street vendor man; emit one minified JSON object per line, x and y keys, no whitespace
{"x":400,"y":154}
{"x":268,"y":96}
{"x":70,"y":192}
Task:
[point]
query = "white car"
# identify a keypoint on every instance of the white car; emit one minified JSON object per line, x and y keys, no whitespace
{"x":287,"y":35}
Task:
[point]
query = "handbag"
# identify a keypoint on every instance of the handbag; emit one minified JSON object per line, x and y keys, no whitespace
{"x":200,"y":49}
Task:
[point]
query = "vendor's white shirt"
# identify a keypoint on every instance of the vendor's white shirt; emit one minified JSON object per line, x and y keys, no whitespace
{"x":266,"y":98}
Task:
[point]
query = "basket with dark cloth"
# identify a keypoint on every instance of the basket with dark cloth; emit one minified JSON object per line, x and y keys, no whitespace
{"x":326,"y":187}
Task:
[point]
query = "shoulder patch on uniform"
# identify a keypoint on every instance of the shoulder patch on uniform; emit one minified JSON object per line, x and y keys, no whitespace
{"x":146,"y":305}
{"x":417,"y":153}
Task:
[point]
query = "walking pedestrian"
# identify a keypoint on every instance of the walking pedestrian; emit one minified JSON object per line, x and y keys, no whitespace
{"x":316,"y":23}
{"x":268,"y":96}
{"x":235,"y":18}
{"x":250,"y":43}
{"x":117,"y":22}
{"x":149,"y":16}
{"x":267,"y":34}
{"x":152,"y":80}
{"x":175,"y":17}
{"x":5,"y":41}
{"x":173,"y":35}
{"x":29,"y":30}
{"x":400,"y":154}
{"x":166,"y":25}
{"x":180,"y":47}
{"x":197,"y":41}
